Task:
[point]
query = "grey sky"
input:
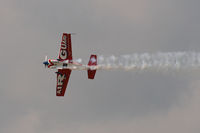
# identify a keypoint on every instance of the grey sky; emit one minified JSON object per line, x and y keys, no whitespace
{"x":116,"y":101}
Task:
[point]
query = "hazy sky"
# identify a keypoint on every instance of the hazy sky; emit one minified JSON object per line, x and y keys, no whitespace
{"x":116,"y":101}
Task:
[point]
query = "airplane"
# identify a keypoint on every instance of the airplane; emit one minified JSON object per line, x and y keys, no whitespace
{"x":65,"y":64}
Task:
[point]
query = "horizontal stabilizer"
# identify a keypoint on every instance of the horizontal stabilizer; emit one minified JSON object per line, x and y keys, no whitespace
{"x":92,"y":62}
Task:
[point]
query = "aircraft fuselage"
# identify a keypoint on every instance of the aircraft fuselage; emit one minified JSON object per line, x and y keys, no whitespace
{"x":66,"y":64}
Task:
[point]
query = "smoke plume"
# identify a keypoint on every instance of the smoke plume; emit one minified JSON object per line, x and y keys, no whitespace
{"x":167,"y":60}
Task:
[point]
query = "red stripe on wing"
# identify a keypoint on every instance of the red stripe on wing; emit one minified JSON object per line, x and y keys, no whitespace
{"x":63,"y":76}
{"x":66,"y":48}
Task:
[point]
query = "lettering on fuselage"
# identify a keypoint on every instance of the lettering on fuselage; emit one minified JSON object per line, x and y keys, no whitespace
{"x":60,"y":83}
{"x":63,"y":49}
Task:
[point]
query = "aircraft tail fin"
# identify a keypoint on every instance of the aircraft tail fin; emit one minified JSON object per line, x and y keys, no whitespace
{"x":92,"y":62}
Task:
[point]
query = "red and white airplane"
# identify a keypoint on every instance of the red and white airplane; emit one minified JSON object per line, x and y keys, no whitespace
{"x":65,"y":65}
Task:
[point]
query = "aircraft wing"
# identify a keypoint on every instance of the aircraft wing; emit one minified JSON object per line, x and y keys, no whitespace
{"x":66,"y":48}
{"x":62,"y":81}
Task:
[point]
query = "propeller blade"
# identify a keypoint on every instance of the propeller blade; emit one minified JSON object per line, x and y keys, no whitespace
{"x":46,"y":58}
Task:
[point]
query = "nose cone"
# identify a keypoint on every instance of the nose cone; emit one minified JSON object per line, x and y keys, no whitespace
{"x":45,"y":63}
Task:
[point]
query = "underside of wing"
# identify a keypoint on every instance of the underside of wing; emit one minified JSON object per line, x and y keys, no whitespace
{"x":66,"y":48}
{"x":63,"y":76}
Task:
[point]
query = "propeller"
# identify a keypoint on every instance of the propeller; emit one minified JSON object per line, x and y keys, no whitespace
{"x":46,"y":63}
{"x":46,"y":58}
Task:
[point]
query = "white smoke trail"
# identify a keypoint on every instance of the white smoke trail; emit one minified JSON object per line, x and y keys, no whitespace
{"x":168,"y":60}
